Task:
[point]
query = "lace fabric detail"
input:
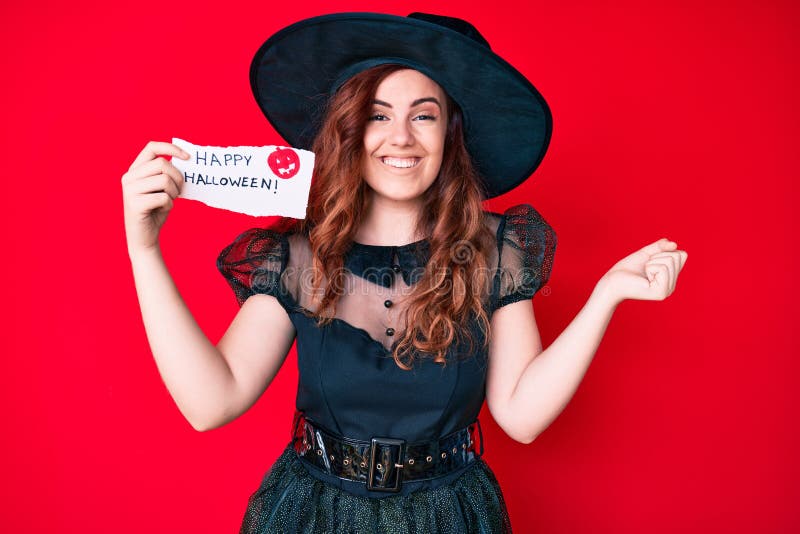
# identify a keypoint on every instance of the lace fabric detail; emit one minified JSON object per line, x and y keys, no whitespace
{"x":378,"y":278}
{"x":254,"y":262}
{"x":526,"y":245}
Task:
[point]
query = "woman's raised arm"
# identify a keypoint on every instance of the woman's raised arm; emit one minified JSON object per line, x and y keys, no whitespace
{"x":527,"y":387}
{"x":211,"y":385}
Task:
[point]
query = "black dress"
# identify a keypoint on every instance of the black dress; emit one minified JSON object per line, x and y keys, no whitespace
{"x":349,"y":383}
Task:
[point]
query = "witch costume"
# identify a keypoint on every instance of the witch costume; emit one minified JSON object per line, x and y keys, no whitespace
{"x":373,"y":447}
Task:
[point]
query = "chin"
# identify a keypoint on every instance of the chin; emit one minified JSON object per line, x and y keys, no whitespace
{"x":399,"y":194}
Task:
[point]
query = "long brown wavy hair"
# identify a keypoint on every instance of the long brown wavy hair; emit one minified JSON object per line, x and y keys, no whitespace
{"x":450,"y":293}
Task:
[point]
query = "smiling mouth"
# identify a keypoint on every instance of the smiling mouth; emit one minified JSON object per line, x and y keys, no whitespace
{"x":400,"y":163}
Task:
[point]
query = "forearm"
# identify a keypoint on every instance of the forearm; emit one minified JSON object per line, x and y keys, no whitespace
{"x":194,"y":371}
{"x":550,"y":380}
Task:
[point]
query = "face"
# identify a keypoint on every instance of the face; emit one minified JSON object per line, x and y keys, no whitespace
{"x":404,"y":137}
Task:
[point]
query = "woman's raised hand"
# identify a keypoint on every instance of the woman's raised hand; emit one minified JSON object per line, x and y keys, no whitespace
{"x":148,"y":190}
{"x":650,"y":273}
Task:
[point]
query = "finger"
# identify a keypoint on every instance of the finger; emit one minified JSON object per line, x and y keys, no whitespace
{"x":155,"y":201}
{"x":172,"y":171}
{"x":659,"y":246}
{"x":175,"y":175}
{"x":674,"y":254}
{"x":678,"y":255}
{"x":171,"y":189}
{"x":671,"y":260}
{"x":148,"y":168}
{"x":156,"y":148}
{"x":669,"y":263}
{"x":657,"y":275}
{"x":153,"y":184}
{"x":155,"y":167}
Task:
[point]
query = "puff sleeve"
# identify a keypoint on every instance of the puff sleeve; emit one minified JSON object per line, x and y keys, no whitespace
{"x":254,"y":263}
{"x":526,"y":246}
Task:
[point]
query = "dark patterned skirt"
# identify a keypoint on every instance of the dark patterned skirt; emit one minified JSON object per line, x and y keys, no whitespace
{"x":291,"y":500}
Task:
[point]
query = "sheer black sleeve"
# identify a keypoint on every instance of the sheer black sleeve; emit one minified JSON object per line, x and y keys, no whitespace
{"x":254,"y":263}
{"x":526,"y":246}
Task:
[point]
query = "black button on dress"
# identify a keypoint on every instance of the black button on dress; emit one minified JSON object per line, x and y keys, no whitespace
{"x":348,"y":381}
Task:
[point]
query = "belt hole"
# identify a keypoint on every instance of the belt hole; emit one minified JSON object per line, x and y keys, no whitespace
{"x":380,"y":467}
{"x":363,"y":465}
{"x":463,"y":445}
{"x":410,"y":461}
{"x":444,"y":455}
{"x":454,"y":451}
{"x":429,"y":459}
{"x":331,"y":457}
{"x":319,"y":452}
{"x":346,"y":461}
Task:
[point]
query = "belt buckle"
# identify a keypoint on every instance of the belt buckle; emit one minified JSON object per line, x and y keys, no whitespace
{"x":392,"y":466}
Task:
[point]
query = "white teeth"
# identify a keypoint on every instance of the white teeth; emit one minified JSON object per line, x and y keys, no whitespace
{"x":400,"y":163}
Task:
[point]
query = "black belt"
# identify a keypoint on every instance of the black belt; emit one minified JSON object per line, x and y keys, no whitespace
{"x":384,"y":463}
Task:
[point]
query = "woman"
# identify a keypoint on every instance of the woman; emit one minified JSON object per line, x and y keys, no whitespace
{"x":409,"y":302}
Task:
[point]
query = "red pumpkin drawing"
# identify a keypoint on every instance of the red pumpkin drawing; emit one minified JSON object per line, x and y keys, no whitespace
{"x":284,"y":162}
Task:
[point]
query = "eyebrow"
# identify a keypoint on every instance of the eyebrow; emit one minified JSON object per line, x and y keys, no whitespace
{"x":416,"y":102}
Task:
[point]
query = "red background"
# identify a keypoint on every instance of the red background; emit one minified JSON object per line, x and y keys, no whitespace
{"x":674,"y":119}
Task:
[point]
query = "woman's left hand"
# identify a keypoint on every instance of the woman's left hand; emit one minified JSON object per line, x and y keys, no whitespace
{"x":650,"y":273}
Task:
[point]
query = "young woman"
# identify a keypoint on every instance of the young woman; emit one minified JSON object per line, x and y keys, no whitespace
{"x":410,"y":304}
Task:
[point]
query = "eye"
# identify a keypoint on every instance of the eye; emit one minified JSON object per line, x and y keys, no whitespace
{"x":377,"y":117}
{"x":424,"y":117}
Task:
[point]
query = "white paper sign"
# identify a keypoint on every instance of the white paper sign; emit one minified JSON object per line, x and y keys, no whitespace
{"x":256,"y":180}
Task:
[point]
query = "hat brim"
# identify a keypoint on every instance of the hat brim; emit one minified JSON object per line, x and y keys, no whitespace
{"x":507,"y":122}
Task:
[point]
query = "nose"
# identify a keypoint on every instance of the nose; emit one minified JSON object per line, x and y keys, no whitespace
{"x":401,"y":134}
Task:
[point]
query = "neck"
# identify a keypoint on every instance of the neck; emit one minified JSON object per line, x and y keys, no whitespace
{"x":388,"y":222}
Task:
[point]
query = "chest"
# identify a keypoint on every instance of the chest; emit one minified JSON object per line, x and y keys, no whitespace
{"x":353,"y":380}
